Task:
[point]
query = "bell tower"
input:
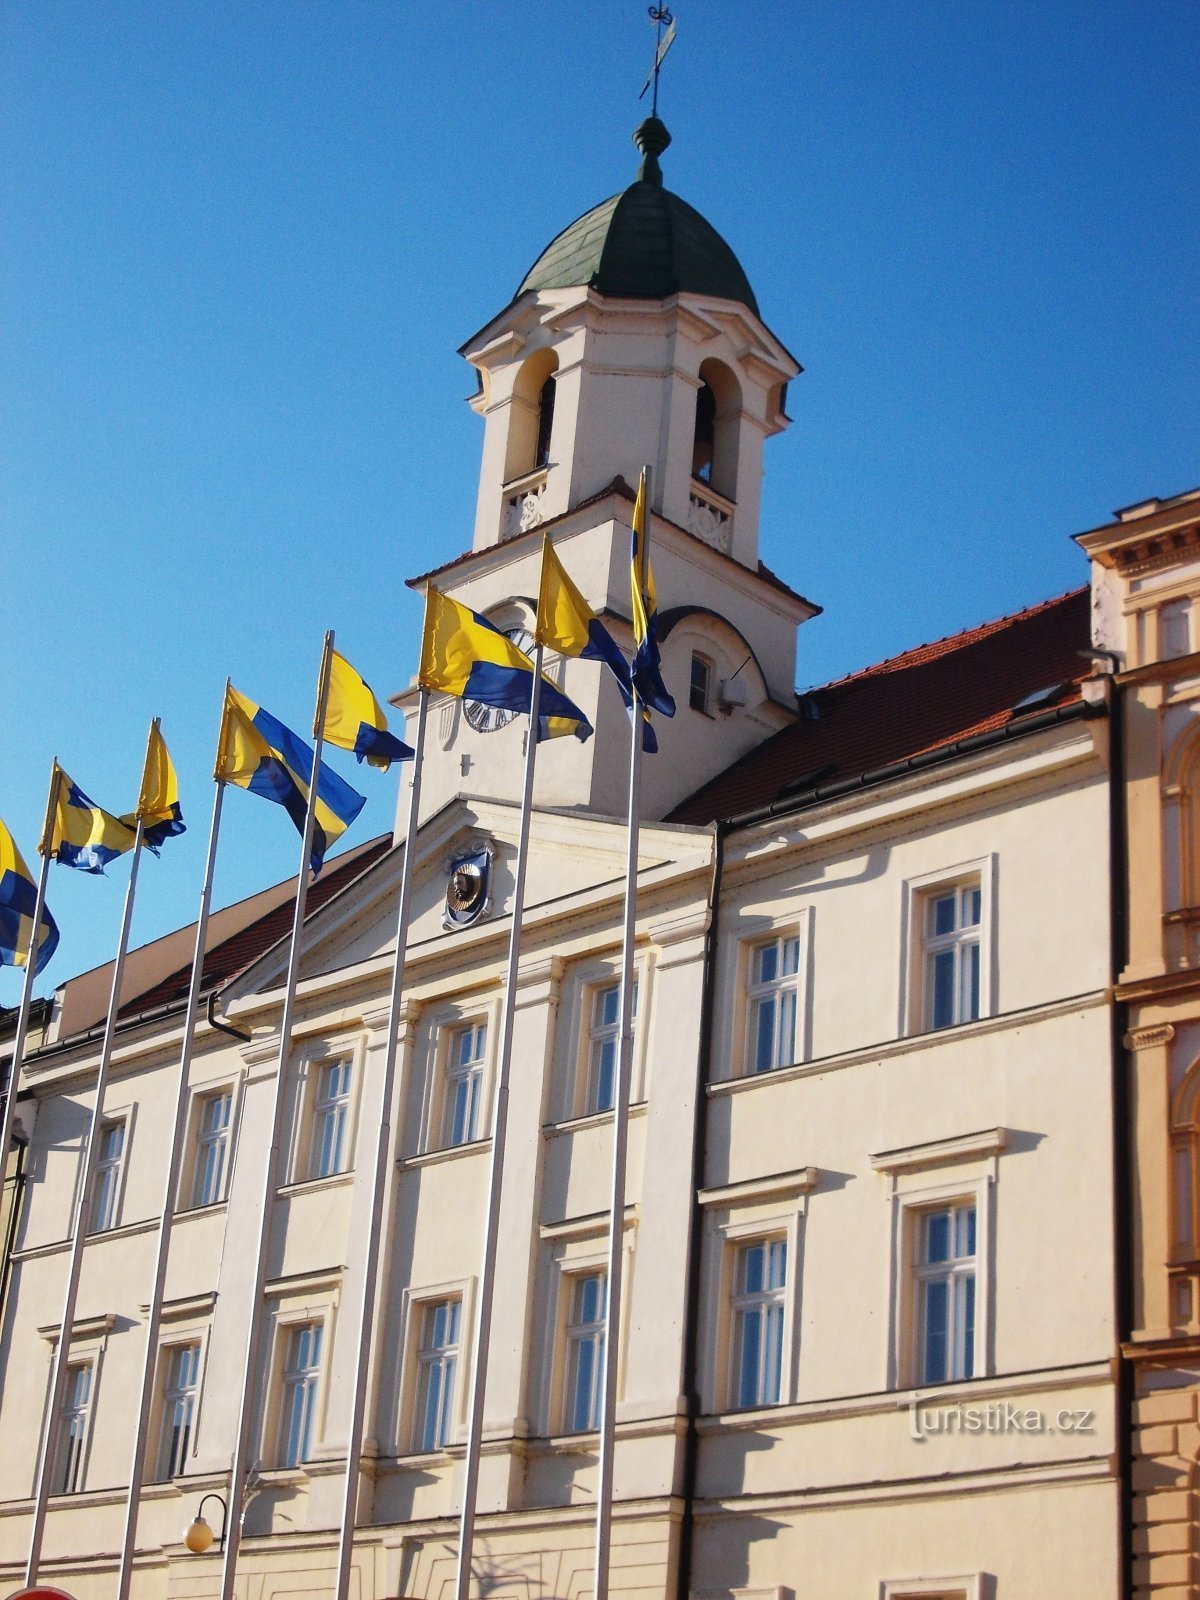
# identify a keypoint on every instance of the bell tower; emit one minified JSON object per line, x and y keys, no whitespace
{"x":634,"y":338}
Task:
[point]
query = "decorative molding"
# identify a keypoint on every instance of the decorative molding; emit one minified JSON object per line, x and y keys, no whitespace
{"x":261,"y":1050}
{"x":779,"y":1186}
{"x":376,"y":1021}
{"x":942,"y":1152}
{"x":192,"y":1305}
{"x":587,"y":1227}
{"x":692,"y":924}
{"x":324,"y":1280}
{"x":710,"y":519}
{"x":1149,"y":1038}
{"x":81,"y":1328}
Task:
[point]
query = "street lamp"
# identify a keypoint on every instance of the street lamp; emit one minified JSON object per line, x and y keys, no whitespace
{"x":199,"y":1536}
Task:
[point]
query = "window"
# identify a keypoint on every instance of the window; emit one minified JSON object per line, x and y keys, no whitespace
{"x":437,"y":1368}
{"x":464,"y":1084}
{"x":945,"y":1273}
{"x":331,"y":1114}
{"x":700,"y":688}
{"x":106,"y":1182}
{"x":301,"y":1371}
{"x":704,"y":434}
{"x":181,"y":1381}
{"x":212,"y":1148}
{"x":758,"y":1310}
{"x":604,"y":1046}
{"x":774,"y":983}
{"x":585,"y":1352}
{"x":73,"y":1428}
{"x":545,"y":422}
{"x":951,"y":919}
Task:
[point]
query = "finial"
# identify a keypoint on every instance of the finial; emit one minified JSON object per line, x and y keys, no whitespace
{"x":651,"y":139}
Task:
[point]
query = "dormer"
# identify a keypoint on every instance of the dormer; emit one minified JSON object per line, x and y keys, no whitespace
{"x":634,"y":337}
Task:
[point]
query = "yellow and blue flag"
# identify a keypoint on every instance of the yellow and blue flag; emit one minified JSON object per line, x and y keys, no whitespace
{"x":18,"y":902}
{"x":647,"y":663}
{"x":463,"y":654}
{"x":83,"y":834}
{"x":354,"y":719}
{"x":566,"y":623}
{"x":258,"y":753}
{"x":158,"y":801}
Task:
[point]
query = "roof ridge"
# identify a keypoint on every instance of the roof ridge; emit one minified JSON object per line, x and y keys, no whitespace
{"x":979,"y":630}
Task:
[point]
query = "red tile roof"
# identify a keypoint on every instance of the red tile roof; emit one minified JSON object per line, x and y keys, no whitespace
{"x":928,"y":697}
{"x":225,"y":960}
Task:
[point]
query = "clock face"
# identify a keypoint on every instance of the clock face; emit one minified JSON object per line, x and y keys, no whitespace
{"x":488,"y":719}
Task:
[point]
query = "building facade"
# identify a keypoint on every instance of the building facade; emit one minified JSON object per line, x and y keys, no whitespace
{"x":870,"y":1326}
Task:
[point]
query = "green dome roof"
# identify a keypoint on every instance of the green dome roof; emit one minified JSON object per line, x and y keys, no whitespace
{"x":644,"y":243}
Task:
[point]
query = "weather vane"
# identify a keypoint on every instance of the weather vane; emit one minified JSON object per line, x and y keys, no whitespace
{"x":661,"y":18}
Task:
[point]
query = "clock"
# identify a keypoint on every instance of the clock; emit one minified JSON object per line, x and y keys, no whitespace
{"x":489,"y":719}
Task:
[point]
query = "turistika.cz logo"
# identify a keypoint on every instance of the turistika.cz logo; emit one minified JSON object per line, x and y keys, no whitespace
{"x":930,"y":1415}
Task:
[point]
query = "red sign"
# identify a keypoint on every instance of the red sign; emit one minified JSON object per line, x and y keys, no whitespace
{"x":41,"y":1591}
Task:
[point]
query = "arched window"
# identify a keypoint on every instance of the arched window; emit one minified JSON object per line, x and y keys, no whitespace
{"x":715,"y":436}
{"x":545,"y":423}
{"x":706,"y":427}
{"x":531,"y":417}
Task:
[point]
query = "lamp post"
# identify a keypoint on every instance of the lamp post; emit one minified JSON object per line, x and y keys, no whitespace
{"x":199,"y":1536}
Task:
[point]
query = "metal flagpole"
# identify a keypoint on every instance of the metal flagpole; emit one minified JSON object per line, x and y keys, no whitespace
{"x":487,"y":1279}
{"x":616,"y":1237}
{"x":137,"y":1467}
{"x":379,"y":1181}
{"x":240,"y":1464}
{"x":58,"y":1380}
{"x":9,"y":1114}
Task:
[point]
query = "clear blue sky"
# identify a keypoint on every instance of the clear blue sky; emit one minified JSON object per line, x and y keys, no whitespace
{"x":243,"y":241}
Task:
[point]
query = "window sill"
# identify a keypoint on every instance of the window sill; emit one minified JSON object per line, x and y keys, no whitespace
{"x":335,"y":1180}
{"x":591,"y":1119}
{"x":200,"y":1211}
{"x":451,"y":1152}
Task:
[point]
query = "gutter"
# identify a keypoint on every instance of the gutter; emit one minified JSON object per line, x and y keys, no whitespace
{"x":169,"y":1008}
{"x":695,"y":1239}
{"x":1076,"y":711}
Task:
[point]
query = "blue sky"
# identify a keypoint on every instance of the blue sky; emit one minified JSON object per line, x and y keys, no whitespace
{"x":243,"y":242}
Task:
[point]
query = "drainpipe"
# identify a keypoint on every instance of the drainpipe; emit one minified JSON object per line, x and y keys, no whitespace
{"x":1122,"y":1153}
{"x":17,"y":1180}
{"x":695,"y":1243}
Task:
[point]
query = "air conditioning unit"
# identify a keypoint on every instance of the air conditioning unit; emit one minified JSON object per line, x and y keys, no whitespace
{"x":731,"y":693}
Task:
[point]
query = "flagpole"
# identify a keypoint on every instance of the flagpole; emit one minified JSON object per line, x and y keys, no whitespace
{"x":137,"y":1467}
{"x":612,"y":1321}
{"x":50,"y":1421}
{"x":239,"y":1466}
{"x":379,"y":1179}
{"x":487,"y":1279}
{"x":9,"y":1114}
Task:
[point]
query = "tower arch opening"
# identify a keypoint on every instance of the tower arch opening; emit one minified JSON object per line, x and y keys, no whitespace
{"x":531,"y":425}
{"x":715,"y":432}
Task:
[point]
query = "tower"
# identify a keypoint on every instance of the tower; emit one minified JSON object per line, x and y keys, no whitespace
{"x":634,"y":338}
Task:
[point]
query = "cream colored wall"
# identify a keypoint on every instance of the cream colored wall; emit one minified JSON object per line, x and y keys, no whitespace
{"x":1040,"y":1072}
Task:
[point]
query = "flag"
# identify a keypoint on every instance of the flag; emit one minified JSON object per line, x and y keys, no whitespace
{"x":355,"y":721}
{"x":463,"y":654}
{"x":18,"y":901}
{"x":647,"y":666}
{"x":158,"y":802}
{"x":566,"y":623}
{"x":82,"y":833}
{"x":258,"y":753}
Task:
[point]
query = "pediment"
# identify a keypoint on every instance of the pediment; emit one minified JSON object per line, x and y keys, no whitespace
{"x":572,"y":858}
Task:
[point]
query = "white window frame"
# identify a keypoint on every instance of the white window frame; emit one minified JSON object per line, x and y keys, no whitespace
{"x":578,"y":1335}
{"x":710,"y":678}
{"x":758,"y":1304}
{"x":575,"y":1249}
{"x":444,"y":1358}
{"x":73,"y":1480}
{"x":167,"y":1462}
{"x":921,"y":1179}
{"x":332,"y":1106}
{"x":958,"y":1269}
{"x":437,"y":1030}
{"x":962,"y":1586}
{"x":471,"y":1075}
{"x":295,"y":1302}
{"x":917,"y":893}
{"x":204,"y":1141}
{"x":415,"y":1303}
{"x":571,"y":1096}
{"x":756,"y":932}
{"x":735,"y":1216}
{"x":110,"y":1219}
{"x":294,"y":1378}
{"x":601,"y":1033}
{"x":774,"y":991}
{"x":308,"y":1074}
